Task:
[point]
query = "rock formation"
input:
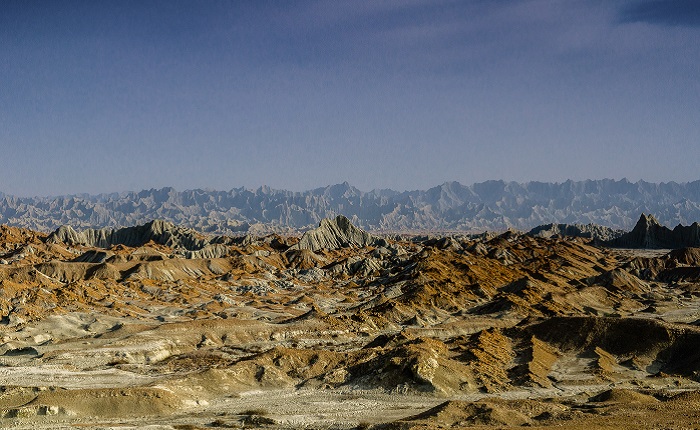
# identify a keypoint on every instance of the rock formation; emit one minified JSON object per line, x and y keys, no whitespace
{"x":649,"y":233}
{"x":335,"y":233}
{"x":589,"y":231}
{"x":158,"y":231}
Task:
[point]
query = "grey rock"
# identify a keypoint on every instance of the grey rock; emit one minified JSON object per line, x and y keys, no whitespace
{"x":590,"y":231}
{"x":209,"y":251}
{"x":333,"y":234}
{"x":93,"y":256}
{"x":161,"y":232}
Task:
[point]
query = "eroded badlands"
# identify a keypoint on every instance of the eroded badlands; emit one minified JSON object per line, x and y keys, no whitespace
{"x":161,"y":326}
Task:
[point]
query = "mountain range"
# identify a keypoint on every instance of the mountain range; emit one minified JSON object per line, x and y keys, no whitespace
{"x":491,"y":205}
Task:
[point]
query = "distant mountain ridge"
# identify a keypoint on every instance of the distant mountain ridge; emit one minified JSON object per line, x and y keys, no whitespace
{"x":491,"y":205}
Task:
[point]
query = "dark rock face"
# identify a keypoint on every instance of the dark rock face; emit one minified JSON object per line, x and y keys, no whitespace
{"x":649,"y":233}
{"x":492,"y":205}
{"x":589,"y":231}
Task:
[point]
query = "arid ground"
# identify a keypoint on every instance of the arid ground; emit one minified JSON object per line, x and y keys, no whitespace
{"x":340,"y":329}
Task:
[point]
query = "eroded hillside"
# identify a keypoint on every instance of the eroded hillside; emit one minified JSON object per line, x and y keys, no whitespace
{"x":163,"y":326}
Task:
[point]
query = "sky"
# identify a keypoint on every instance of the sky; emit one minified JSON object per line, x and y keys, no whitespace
{"x":124,"y":95}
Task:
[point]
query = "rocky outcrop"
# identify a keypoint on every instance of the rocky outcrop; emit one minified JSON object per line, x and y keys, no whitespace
{"x":158,"y":231}
{"x":649,"y":233}
{"x":589,"y":231}
{"x":335,"y":233}
{"x":209,"y":251}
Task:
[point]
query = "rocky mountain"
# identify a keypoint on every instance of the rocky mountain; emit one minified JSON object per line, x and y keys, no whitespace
{"x":158,"y":231}
{"x":335,"y":233}
{"x":649,"y":233}
{"x":491,"y":205}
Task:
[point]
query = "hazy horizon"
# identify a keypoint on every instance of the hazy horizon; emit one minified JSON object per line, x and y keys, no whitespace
{"x":258,"y":187}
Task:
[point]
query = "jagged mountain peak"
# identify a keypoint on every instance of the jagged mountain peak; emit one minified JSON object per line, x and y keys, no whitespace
{"x":335,"y":233}
{"x":650,"y":233}
{"x":452,"y":206}
{"x":339,"y":191}
{"x":647,"y":220}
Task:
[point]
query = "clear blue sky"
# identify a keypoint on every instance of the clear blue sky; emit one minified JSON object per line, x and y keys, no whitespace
{"x":101,"y":96}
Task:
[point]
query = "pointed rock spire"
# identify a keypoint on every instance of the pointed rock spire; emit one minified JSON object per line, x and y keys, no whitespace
{"x":649,"y":233}
{"x":333,"y":234}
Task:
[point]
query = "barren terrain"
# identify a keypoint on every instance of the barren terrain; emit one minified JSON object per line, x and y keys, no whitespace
{"x":161,"y":327}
